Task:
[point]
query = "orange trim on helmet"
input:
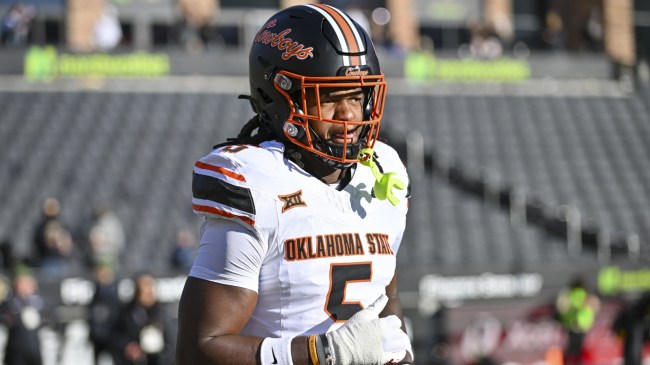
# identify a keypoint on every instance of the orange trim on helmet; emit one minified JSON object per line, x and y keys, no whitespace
{"x":348,"y":33}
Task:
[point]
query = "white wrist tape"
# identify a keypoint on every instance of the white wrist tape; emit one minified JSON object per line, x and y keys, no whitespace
{"x":276,"y":351}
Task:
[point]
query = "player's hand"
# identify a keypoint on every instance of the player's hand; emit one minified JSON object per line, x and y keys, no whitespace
{"x":368,"y":339}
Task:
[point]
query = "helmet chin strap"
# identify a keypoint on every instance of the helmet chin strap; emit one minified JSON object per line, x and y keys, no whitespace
{"x":351,"y":151}
{"x":336,"y":150}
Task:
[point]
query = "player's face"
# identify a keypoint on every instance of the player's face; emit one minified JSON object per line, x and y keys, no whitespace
{"x":336,"y":104}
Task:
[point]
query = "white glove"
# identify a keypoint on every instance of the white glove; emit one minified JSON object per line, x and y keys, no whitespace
{"x":367,"y":339}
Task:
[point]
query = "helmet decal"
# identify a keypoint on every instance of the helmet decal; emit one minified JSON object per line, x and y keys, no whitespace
{"x":283,"y":43}
{"x":347,"y":34}
{"x":355,"y":71}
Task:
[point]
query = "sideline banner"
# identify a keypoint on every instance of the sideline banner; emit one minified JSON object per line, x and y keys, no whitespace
{"x":46,"y":63}
{"x":535,"y":338}
{"x":425,"y":67}
{"x":510,"y":318}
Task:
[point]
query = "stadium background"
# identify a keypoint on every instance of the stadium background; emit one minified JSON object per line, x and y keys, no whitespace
{"x":527,"y":169}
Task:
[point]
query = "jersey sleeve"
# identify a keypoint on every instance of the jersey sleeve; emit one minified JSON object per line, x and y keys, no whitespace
{"x":229,"y":254}
{"x":220,"y":189}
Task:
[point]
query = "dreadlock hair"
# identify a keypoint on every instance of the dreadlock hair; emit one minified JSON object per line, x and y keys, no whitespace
{"x":246,"y":136}
{"x":264,"y":133}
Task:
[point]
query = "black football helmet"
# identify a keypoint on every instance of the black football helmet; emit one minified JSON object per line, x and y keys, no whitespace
{"x":301,"y":50}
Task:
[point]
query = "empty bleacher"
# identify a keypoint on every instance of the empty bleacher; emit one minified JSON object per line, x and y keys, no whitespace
{"x":136,"y":151}
{"x":561,"y":152}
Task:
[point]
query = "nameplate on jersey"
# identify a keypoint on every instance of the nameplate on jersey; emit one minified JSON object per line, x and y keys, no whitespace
{"x":336,"y":245}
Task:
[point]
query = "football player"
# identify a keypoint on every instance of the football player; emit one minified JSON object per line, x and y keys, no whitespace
{"x":304,"y":210}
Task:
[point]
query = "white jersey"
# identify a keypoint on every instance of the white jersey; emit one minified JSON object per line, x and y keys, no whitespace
{"x":315,"y":255}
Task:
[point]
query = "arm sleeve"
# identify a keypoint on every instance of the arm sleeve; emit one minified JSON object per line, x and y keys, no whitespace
{"x":229,"y":254}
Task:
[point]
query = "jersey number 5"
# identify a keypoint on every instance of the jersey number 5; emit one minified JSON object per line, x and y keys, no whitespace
{"x":340,"y":276}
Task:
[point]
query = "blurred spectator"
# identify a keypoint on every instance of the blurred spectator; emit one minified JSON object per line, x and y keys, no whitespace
{"x":196,"y":19}
{"x":484,"y":42}
{"x":576,"y":309}
{"x":139,"y":335}
{"x":106,"y":237}
{"x":16,"y":24}
{"x":6,"y":255}
{"x":107,"y":32}
{"x":552,"y":32}
{"x":440,"y":350}
{"x":481,"y":339}
{"x":22,"y":314}
{"x":53,"y":244}
{"x":632,"y":324}
{"x":102,"y":311}
{"x":182,"y":255}
{"x":576,"y":25}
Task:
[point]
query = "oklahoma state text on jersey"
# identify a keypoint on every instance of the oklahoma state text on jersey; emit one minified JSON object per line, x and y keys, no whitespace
{"x":329,"y":253}
{"x":337,"y":244}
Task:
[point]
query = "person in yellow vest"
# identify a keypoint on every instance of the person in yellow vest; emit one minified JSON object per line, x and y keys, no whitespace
{"x":576,"y":309}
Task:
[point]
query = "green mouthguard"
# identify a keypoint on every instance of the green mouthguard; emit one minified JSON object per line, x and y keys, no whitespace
{"x":384,"y":183}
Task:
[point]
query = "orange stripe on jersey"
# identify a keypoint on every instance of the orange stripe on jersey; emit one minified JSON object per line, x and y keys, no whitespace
{"x":345,"y":27}
{"x":221,"y":170}
{"x":213,"y":210}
